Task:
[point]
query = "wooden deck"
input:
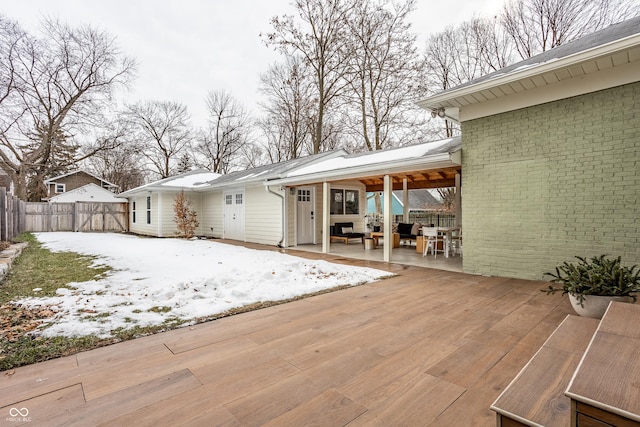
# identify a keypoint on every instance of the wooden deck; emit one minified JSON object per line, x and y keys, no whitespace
{"x":427,"y":347}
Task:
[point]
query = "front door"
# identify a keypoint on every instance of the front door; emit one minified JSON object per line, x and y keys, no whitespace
{"x":234,"y":215}
{"x":304,"y":215}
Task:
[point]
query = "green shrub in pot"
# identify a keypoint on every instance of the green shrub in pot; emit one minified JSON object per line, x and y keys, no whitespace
{"x":599,"y":275}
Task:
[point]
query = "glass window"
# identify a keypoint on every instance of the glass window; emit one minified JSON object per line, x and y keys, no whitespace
{"x":351,"y":205}
{"x":133,"y":211}
{"x":60,"y":188}
{"x":228,"y":199}
{"x":345,"y":202}
{"x":148,"y":210}
{"x":239,"y":199}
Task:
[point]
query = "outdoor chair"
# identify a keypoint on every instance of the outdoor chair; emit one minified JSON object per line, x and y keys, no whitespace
{"x":344,"y":231}
{"x":431,"y":239}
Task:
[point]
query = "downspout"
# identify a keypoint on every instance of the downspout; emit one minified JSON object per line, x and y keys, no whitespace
{"x":268,"y":188}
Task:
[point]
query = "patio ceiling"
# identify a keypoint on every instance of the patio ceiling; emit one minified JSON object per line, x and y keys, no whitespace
{"x":425,"y":178}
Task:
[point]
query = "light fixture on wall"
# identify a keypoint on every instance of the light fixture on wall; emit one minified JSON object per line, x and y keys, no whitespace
{"x":292,"y":191}
{"x":438,"y":112}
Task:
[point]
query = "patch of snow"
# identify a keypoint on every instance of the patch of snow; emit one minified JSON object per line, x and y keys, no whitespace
{"x":156,"y":280}
{"x":192,"y":181}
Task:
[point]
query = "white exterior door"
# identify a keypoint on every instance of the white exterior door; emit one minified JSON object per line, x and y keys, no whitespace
{"x":234,"y":215}
{"x":304,"y":215}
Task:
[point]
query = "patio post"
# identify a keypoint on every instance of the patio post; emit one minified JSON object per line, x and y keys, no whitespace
{"x":326,"y":217}
{"x":388,"y":234}
{"x":458,"y":201}
{"x":405,"y":200}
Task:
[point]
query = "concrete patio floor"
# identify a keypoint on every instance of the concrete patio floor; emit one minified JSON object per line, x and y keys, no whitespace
{"x":426,"y":347}
{"x":405,"y":254}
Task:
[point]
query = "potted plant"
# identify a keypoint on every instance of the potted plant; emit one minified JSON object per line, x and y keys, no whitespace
{"x":592,"y":283}
{"x":373,"y":221}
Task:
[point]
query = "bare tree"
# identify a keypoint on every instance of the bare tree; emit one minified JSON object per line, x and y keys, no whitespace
{"x":122,"y":165}
{"x":219,"y":146}
{"x":539,"y":25}
{"x":57,"y":88}
{"x":462,"y":53}
{"x":383,"y":70}
{"x":161,"y":133}
{"x":319,"y":36}
{"x":288,"y":108}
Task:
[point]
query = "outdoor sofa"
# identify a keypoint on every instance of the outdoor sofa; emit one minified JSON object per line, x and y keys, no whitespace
{"x":344,"y":231}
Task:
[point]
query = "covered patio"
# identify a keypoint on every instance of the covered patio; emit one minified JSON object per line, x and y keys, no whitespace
{"x":421,"y":166}
{"x":406,"y":255}
{"x":425,"y":347}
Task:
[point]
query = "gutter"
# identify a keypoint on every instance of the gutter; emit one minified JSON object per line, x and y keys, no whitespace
{"x":268,"y":188}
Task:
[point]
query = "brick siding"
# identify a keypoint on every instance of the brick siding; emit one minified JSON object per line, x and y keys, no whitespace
{"x":546,"y":183}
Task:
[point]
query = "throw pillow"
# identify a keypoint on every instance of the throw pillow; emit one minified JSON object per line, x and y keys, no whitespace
{"x":415,"y":229}
{"x":347,"y":230}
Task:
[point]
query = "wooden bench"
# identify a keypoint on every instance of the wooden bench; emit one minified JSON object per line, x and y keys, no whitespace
{"x":337,"y":233}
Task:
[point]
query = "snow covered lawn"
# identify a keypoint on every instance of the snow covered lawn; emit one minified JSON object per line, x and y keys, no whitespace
{"x":159,"y":281}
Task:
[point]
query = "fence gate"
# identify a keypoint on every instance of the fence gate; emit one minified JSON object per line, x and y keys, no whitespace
{"x":79,"y":216}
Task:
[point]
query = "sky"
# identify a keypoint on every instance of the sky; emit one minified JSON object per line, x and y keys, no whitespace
{"x":184,"y":279}
{"x":185,"y":49}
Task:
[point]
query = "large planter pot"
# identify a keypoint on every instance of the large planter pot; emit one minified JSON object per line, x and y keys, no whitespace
{"x":594,"y":305}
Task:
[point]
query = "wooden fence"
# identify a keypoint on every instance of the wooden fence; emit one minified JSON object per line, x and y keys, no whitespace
{"x":12,"y":217}
{"x":17,"y":216}
{"x":78,"y":216}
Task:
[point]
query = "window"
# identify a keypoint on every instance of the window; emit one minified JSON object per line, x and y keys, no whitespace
{"x":239,"y":199}
{"x":228,"y":199}
{"x":304,"y":195}
{"x":345,"y":202}
{"x":60,"y":188}
{"x":148,"y":209}
{"x":133,"y":211}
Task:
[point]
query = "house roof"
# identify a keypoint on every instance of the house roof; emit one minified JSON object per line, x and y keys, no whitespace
{"x":580,"y":60}
{"x":56,"y":178}
{"x":426,"y":165}
{"x":87,"y":193}
{"x":191,"y":180}
{"x":264,"y":173}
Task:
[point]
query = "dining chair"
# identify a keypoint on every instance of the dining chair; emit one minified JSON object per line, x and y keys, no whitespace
{"x":431,"y":239}
{"x":456,"y":241}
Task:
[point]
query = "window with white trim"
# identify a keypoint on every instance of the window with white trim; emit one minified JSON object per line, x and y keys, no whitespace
{"x":148,"y":209}
{"x":133,"y":211}
{"x":60,"y":188}
{"x":345,"y":202}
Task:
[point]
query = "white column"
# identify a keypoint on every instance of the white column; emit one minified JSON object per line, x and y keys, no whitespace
{"x":405,"y":200}
{"x":326,"y":217}
{"x":388,"y":235}
{"x":458,"y":201}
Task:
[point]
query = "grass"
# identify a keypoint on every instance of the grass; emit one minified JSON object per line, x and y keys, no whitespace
{"x":38,"y":267}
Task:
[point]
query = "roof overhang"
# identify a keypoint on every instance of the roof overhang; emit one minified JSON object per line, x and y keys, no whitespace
{"x":604,"y":66}
{"x":433,"y":171}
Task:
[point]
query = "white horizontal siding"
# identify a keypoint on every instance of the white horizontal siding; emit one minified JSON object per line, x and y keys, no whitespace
{"x":141,"y":226}
{"x":263,"y":216}
{"x":211,"y":222}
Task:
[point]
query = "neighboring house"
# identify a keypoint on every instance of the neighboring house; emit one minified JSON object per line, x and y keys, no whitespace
{"x":151,"y":206}
{"x":87,"y":193}
{"x":76,"y":179}
{"x":418,"y":200}
{"x":551,"y":156}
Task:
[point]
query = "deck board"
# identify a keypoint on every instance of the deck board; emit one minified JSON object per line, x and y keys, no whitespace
{"x":425,"y":347}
